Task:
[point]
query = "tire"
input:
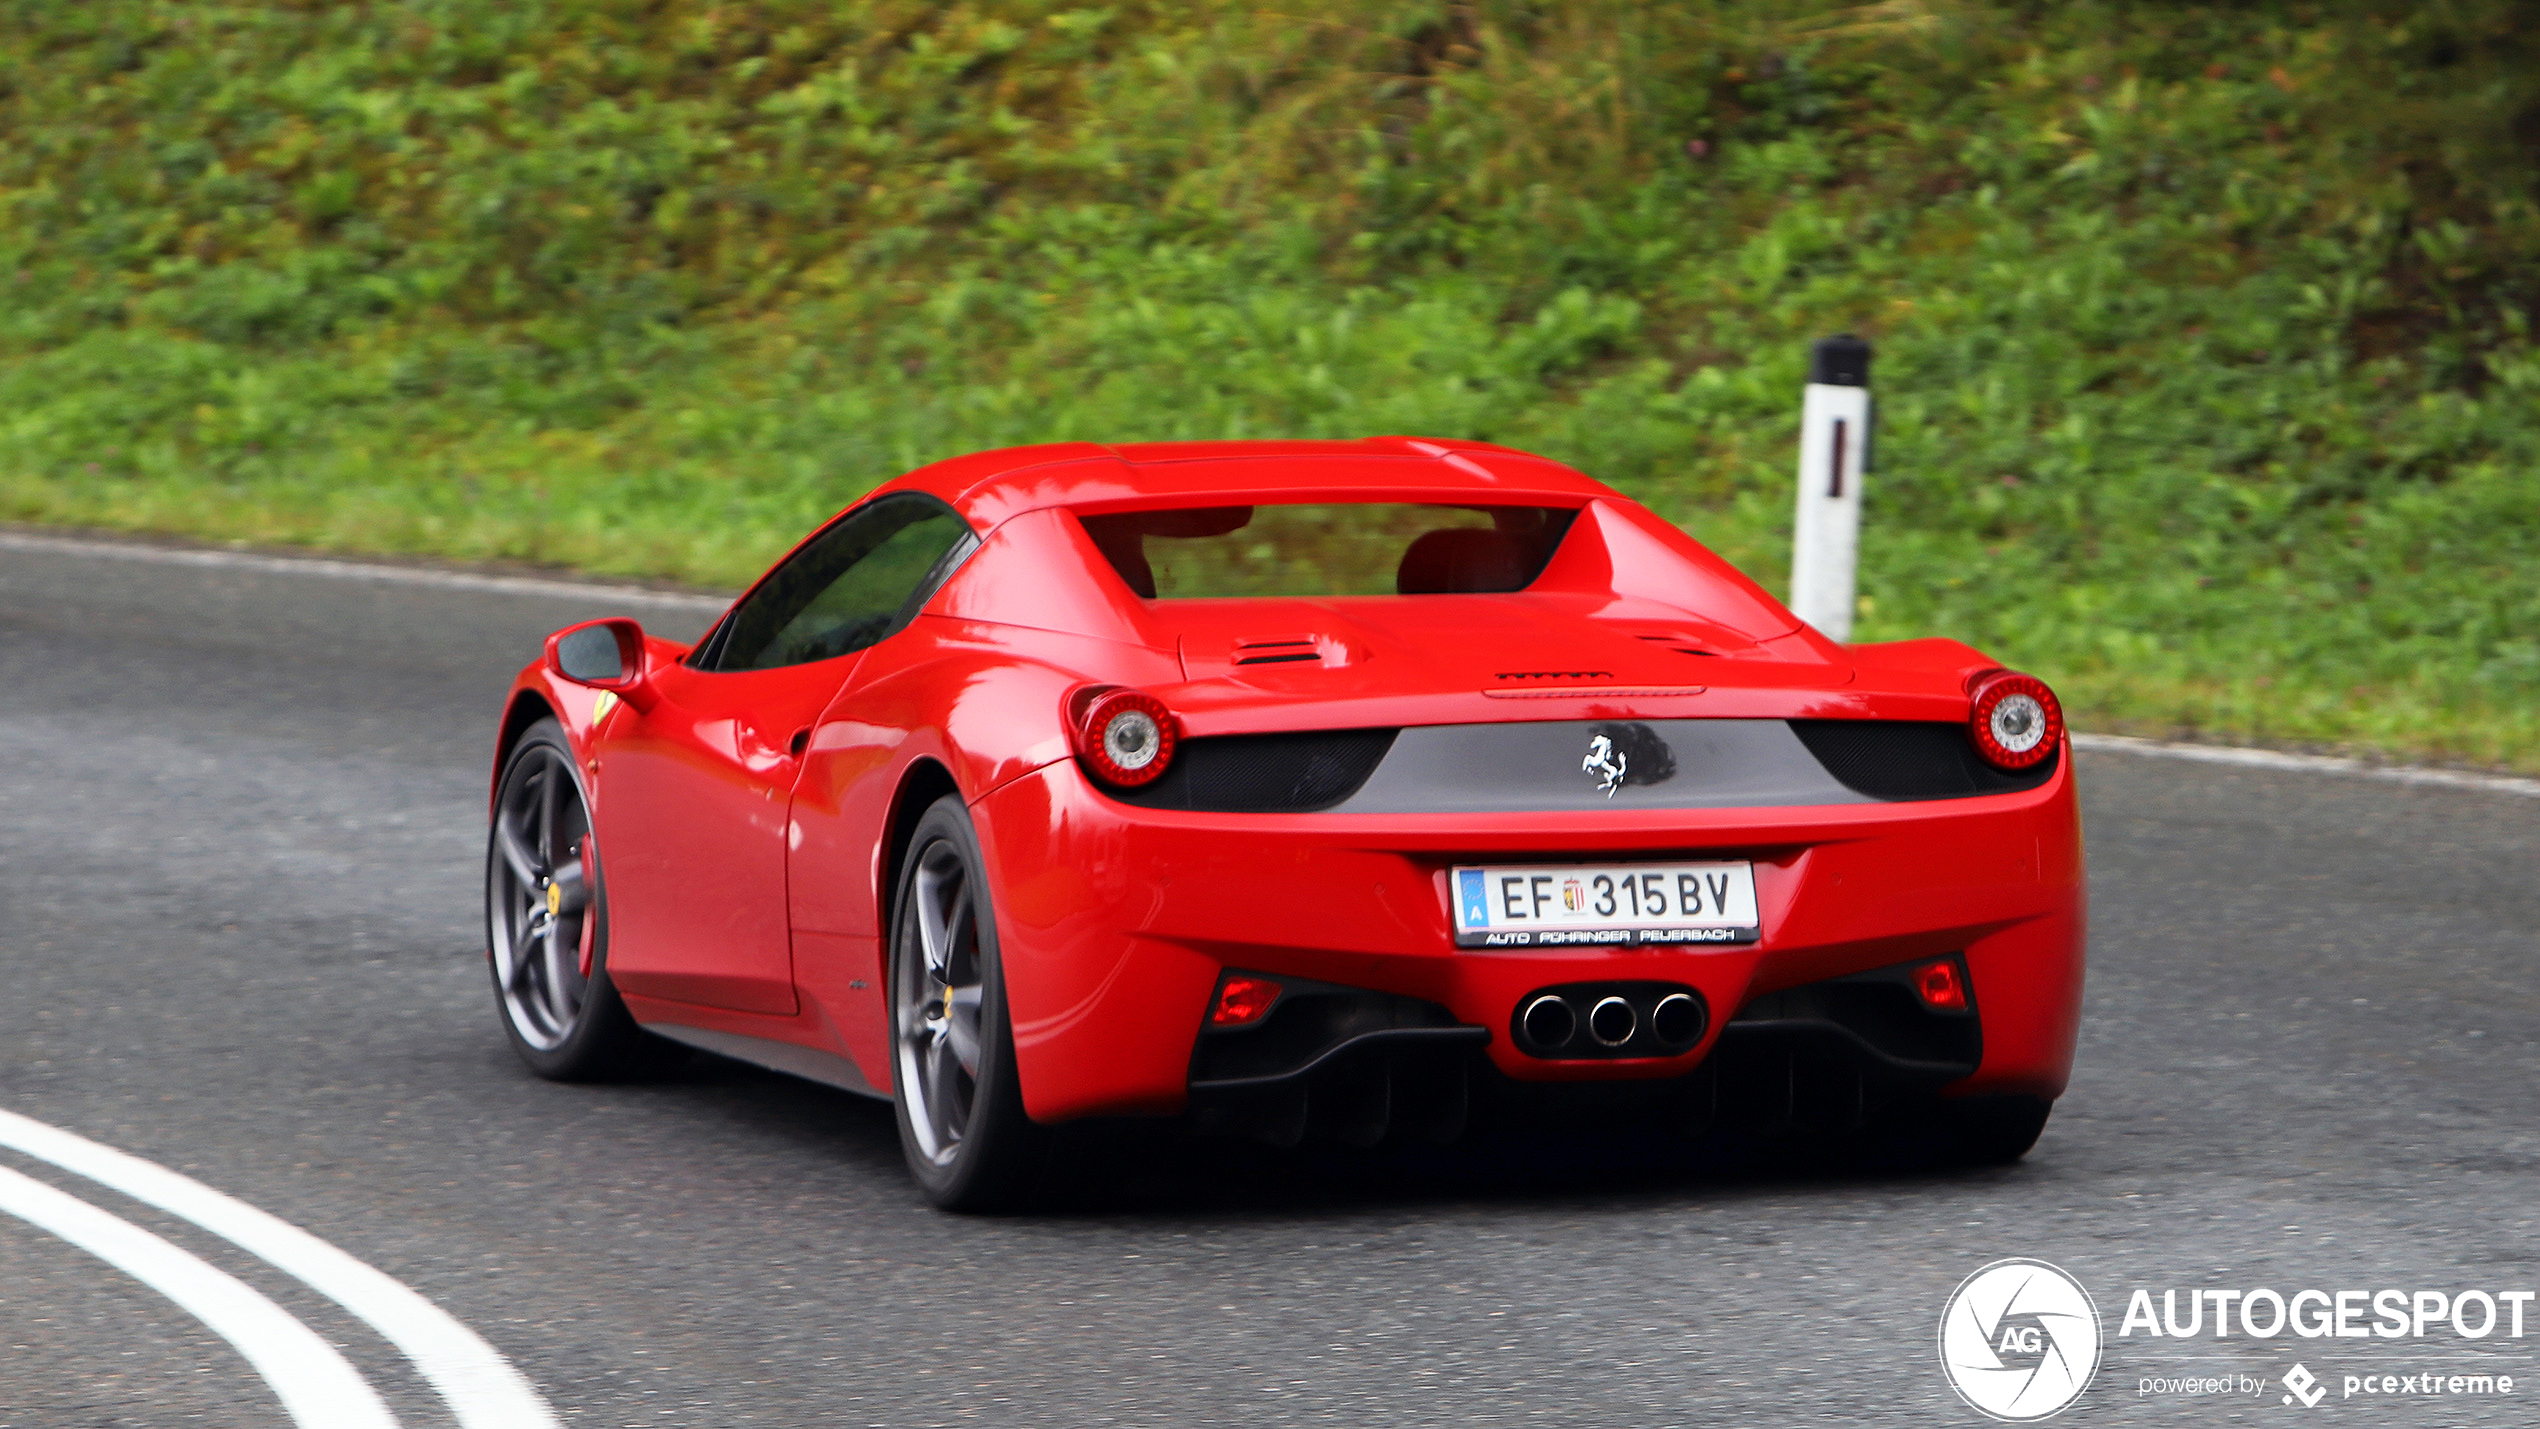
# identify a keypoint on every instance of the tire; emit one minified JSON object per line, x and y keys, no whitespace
{"x":969,"y":1143}
{"x":546,"y":907}
{"x":1992,"y":1131}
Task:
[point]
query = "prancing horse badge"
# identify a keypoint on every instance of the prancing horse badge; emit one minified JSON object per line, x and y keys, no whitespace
{"x":1627,"y":753}
{"x":1607,"y":763}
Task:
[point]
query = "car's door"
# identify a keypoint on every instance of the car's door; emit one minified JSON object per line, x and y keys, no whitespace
{"x":695,"y":791}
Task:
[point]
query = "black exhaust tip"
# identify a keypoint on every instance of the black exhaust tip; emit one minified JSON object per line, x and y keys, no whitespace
{"x":1587,"y":1021}
{"x":1548,"y":1022}
{"x":1677,"y":1020}
{"x":1612,"y":1022}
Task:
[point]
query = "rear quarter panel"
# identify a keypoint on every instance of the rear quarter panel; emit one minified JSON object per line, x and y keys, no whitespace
{"x":949,"y":704}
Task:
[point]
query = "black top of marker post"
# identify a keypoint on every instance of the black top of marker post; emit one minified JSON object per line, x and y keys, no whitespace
{"x":1839,"y":361}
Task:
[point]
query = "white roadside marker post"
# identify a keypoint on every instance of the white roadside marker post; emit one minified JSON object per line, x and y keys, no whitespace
{"x":1834,"y":453}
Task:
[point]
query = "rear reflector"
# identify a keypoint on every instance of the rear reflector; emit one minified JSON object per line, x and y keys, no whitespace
{"x":1939,"y":986}
{"x":1242,"y":999}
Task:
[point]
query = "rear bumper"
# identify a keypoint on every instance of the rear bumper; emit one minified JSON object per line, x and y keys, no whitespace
{"x":1358,"y":1067}
{"x":1115,"y":923}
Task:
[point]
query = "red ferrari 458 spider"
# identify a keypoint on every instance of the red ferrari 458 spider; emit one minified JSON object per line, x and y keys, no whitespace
{"x":1291,"y":788}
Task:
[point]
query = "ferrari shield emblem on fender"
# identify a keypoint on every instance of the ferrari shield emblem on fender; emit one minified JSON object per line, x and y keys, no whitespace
{"x":1605,"y":762}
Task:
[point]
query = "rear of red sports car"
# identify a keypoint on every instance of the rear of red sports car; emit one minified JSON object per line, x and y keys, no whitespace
{"x":1345,"y":789}
{"x":1390,"y":781}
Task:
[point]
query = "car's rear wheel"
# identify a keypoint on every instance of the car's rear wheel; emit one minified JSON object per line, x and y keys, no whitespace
{"x":546,"y":918}
{"x":962,"y":1124}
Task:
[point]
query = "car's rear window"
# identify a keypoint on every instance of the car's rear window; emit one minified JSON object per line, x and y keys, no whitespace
{"x":1328,"y":548}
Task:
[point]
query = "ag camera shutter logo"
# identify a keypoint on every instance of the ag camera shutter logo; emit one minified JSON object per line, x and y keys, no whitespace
{"x":2019,"y":1340}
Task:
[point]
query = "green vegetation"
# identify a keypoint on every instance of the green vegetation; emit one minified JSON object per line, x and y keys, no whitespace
{"x":2208,"y":382}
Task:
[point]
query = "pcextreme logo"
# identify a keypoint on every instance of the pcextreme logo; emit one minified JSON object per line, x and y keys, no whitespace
{"x":2301,"y":1384}
{"x":2019,"y":1340}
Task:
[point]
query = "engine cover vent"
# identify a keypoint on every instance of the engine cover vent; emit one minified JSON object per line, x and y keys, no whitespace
{"x":1276,"y":652}
{"x":1681,"y":644}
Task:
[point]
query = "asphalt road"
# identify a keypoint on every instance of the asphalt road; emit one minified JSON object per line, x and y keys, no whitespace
{"x":240,"y":831}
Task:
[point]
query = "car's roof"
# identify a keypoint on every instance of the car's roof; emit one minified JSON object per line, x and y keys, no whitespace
{"x":987,"y":487}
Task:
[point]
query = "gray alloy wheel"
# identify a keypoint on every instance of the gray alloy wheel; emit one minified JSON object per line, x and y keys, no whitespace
{"x":543,"y":911}
{"x":962,"y":1124}
{"x":938,"y":997}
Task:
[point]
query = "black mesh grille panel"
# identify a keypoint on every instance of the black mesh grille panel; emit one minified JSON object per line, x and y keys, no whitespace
{"x":1909,"y":759}
{"x":1264,"y":773}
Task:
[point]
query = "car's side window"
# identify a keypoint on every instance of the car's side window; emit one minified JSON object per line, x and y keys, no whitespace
{"x":857,"y":583}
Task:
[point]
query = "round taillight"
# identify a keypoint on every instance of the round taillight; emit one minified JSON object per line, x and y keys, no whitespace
{"x":2015,"y":722}
{"x":1126,"y":738}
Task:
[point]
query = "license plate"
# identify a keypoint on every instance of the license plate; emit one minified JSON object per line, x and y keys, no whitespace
{"x":1619,"y":905}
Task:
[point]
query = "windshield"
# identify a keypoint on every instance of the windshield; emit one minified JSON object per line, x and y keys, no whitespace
{"x":1328,"y":549}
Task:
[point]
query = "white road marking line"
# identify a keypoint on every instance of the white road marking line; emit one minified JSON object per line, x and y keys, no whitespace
{"x":482,"y":1388}
{"x":329,"y":568}
{"x":2310,"y":764}
{"x":318,"y":1387}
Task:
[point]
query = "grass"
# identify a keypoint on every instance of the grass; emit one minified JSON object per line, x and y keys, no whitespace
{"x":2206,"y":372}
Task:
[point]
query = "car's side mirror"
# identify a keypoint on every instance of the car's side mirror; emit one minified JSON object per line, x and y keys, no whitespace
{"x":603,"y":655}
